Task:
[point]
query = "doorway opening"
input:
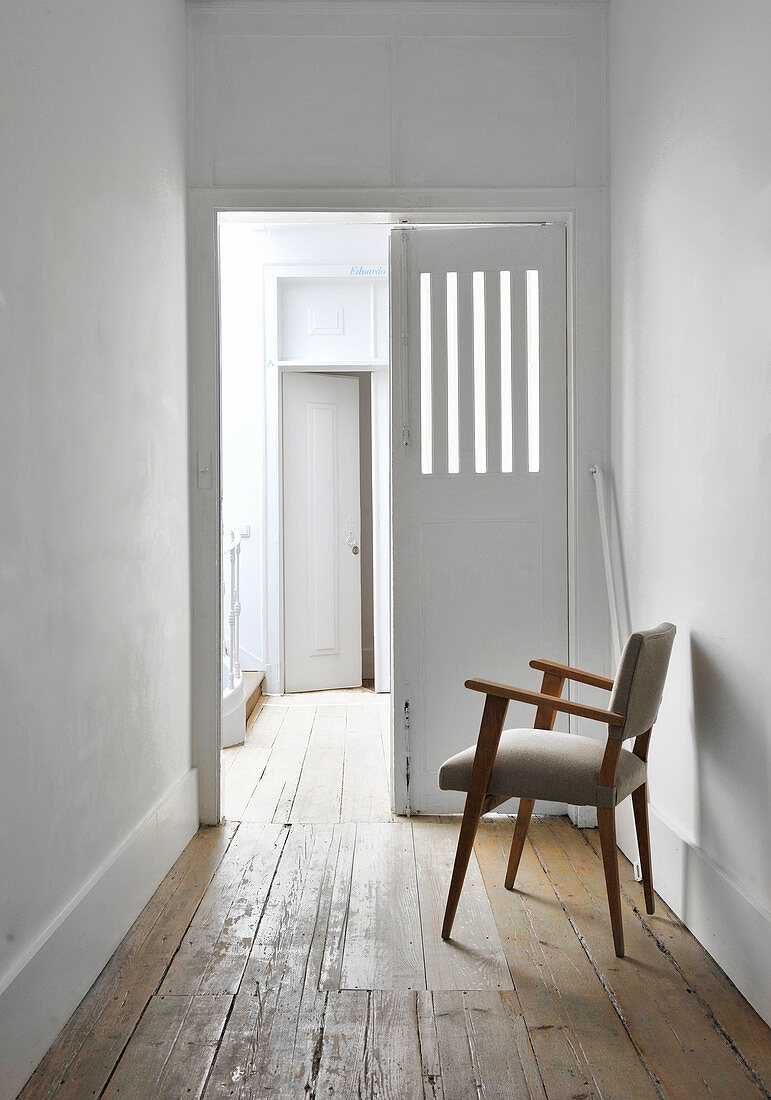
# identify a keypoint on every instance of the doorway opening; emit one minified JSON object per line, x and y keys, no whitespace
{"x":479,"y":541}
{"x":305,"y":480}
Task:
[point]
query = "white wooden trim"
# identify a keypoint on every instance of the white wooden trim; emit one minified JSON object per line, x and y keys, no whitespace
{"x":46,"y":984}
{"x":724,"y":918}
{"x":583,"y":210}
{"x":276,"y":272}
{"x":310,"y":365}
{"x":274,"y":498}
{"x":381,"y":528}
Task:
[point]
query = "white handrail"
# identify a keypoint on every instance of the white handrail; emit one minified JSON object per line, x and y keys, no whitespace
{"x":232,"y":550}
{"x":599,"y":483}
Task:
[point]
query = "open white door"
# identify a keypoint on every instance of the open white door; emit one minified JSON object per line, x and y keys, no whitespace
{"x":322,"y":565}
{"x":479,"y":481}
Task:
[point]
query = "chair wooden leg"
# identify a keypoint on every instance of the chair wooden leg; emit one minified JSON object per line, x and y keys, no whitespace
{"x":484,"y":758}
{"x":640,"y":807}
{"x":472,"y":812}
{"x":518,"y":841}
{"x":606,"y":819}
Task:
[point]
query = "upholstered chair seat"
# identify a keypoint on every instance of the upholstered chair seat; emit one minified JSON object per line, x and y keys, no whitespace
{"x":558,"y":767}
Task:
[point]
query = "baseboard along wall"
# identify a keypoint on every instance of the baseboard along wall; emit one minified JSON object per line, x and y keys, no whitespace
{"x":46,"y":985}
{"x":732,"y":926}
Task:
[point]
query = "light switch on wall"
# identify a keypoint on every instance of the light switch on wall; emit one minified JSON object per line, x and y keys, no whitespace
{"x":204,"y":470}
{"x":245,"y":530}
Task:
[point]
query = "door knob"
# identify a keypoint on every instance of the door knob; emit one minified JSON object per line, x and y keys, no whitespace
{"x":354,"y":549}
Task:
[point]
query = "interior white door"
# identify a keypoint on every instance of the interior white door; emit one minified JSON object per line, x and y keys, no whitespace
{"x":321,"y":530}
{"x":479,"y":482}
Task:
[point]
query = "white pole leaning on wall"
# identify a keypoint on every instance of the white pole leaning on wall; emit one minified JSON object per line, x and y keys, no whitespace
{"x":599,"y":484}
{"x":625,"y":828}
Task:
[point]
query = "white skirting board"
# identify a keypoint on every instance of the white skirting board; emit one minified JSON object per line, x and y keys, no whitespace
{"x":49,"y":982}
{"x":452,"y":802}
{"x":732,"y":926}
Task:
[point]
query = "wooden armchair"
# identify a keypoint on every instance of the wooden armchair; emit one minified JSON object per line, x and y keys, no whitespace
{"x":541,"y":763}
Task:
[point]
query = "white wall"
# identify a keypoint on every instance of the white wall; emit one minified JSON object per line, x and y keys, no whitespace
{"x":691,"y":349}
{"x":97,"y":792}
{"x":394,"y":94}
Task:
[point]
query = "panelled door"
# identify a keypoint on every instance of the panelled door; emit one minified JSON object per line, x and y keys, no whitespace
{"x":322,"y":520}
{"x":479,"y":481}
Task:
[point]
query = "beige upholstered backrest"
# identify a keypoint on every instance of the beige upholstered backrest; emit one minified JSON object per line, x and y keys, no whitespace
{"x":639,"y":682}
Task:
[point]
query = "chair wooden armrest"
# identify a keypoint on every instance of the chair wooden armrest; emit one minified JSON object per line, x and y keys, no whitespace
{"x":569,"y":673}
{"x":538,"y":699}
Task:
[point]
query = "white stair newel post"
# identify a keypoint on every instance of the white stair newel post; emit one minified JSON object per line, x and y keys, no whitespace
{"x":224,"y":619}
{"x":236,"y":600}
{"x":232,"y":616}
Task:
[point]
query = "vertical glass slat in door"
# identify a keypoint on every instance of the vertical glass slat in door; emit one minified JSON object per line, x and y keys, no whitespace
{"x":480,"y":370}
{"x":426,"y":376}
{"x":519,"y":369}
{"x":533,"y":374}
{"x":440,"y":367}
{"x":453,"y":376}
{"x":493,"y":370}
{"x":507,"y":425}
{"x":466,"y":372}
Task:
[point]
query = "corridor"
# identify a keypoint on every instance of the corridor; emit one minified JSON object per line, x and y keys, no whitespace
{"x":294,"y":952}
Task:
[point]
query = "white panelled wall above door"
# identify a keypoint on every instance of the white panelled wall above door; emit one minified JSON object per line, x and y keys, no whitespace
{"x":479,"y":479}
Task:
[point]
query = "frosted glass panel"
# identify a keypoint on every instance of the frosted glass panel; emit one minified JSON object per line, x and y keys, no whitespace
{"x":453,"y":432}
{"x":533,"y":374}
{"x":480,"y":411}
{"x":507,"y":425}
{"x":426,"y":409}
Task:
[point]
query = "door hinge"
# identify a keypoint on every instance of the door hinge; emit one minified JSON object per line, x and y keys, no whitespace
{"x":407,"y":757}
{"x":404,"y":333}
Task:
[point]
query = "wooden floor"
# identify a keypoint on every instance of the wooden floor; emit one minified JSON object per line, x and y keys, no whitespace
{"x":295,"y":952}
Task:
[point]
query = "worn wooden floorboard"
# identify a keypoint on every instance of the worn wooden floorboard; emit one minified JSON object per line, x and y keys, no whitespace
{"x":344,"y":1044}
{"x":433,"y":1084}
{"x":707,"y":982}
{"x":172,"y":1049}
{"x":240,"y":781}
{"x":274,"y":795}
{"x":365,"y":791}
{"x":474,"y":957}
{"x":337,"y":916}
{"x":677,"y":1041}
{"x":383,"y":941}
{"x":216,"y":946}
{"x":83,"y":1056}
{"x":580,"y":1043}
{"x":320,"y":790}
{"x":391,"y":1067}
{"x":297,"y":955}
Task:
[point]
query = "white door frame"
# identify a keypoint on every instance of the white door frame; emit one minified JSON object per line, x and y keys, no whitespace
{"x":585,"y":216}
{"x":274,"y":545}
